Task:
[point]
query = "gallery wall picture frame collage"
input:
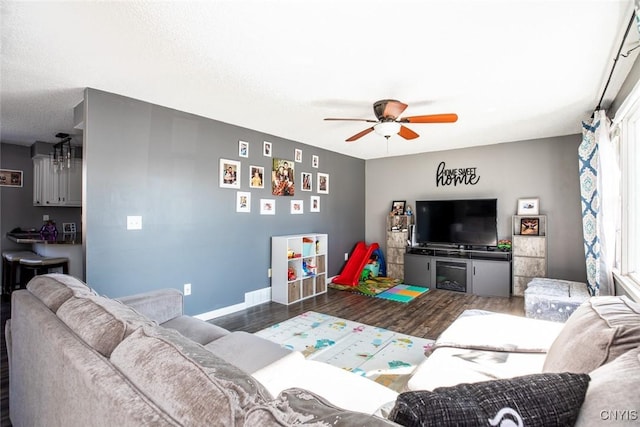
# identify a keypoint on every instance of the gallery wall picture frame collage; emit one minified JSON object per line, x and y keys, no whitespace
{"x":279,"y":175}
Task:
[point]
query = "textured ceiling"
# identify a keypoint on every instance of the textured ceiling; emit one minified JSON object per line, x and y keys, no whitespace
{"x":512,"y":70}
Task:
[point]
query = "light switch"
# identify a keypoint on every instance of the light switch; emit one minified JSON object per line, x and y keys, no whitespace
{"x":134,"y":223}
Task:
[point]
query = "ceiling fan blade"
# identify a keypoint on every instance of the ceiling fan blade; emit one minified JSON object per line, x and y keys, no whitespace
{"x":432,"y":118}
{"x":393,"y":109}
{"x":353,"y":120}
{"x":407,"y":133}
{"x":360,"y":135}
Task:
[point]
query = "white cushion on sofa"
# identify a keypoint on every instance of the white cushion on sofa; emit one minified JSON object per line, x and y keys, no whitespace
{"x":496,"y":331}
{"x":448,"y":366}
{"x":340,"y":387}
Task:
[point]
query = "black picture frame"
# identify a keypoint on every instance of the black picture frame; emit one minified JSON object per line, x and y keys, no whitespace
{"x":530,"y":226}
{"x":397,"y":207}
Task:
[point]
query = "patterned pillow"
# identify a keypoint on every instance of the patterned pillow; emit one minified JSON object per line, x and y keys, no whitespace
{"x":531,"y":400}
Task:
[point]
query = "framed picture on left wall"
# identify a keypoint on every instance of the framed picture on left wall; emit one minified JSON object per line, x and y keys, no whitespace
{"x":10,"y":178}
{"x":229,"y":173}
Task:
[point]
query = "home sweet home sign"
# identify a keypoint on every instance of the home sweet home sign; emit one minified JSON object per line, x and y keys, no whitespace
{"x":455,"y":176}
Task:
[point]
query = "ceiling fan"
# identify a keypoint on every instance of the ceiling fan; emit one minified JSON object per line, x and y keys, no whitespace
{"x":389,"y":121}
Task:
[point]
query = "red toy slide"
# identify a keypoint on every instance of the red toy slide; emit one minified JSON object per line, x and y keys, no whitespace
{"x":350,"y":275}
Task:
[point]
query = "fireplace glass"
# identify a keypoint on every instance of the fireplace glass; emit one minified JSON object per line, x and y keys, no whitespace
{"x":451,"y":275}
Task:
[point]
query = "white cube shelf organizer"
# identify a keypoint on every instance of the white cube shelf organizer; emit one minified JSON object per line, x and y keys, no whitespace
{"x":298,"y":267}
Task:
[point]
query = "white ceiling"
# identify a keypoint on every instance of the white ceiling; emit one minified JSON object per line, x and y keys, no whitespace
{"x":512,"y":70}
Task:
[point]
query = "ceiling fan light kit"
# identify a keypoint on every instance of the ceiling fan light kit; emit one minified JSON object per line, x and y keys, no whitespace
{"x":388,"y":112}
{"x":387,"y":129}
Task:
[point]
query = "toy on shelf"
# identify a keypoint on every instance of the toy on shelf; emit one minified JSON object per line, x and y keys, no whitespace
{"x":504,"y":245}
{"x":291,"y":274}
{"x":309,"y":268}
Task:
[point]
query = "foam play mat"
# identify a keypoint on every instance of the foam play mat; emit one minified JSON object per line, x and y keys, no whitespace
{"x":381,"y":355}
{"x":402,"y":293}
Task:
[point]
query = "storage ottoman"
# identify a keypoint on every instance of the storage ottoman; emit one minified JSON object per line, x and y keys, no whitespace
{"x":553,"y":299}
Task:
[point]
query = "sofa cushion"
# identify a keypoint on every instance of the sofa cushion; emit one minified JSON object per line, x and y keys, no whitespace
{"x":195,"y":329}
{"x":448,"y":366}
{"x":470,"y":331}
{"x":233,"y":347}
{"x":191,"y":384}
{"x":612,"y":397}
{"x":101,"y":322}
{"x":600,"y":330}
{"x":301,"y":407}
{"x":54,"y":289}
{"x":532,"y":400}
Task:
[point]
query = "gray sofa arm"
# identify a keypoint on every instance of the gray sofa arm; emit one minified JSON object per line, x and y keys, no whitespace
{"x":160,"y":306}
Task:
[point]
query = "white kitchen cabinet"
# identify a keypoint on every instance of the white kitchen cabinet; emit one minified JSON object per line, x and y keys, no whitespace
{"x":57,"y":187}
{"x":298,"y":267}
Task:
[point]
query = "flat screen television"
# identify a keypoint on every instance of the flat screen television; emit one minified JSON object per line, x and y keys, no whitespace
{"x":471,"y":222}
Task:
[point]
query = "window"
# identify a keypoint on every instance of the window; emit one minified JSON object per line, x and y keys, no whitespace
{"x":627,"y":133}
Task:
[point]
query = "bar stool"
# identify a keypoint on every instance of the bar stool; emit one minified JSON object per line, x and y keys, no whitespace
{"x":35,"y":265}
{"x":10,"y":268}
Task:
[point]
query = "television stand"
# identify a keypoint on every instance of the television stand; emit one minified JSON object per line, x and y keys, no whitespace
{"x":473,"y":271}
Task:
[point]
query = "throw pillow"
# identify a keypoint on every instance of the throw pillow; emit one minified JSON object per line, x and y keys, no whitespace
{"x":54,"y":289}
{"x":531,"y":400}
{"x":598,"y":331}
{"x":612,"y":397}
{"x":192,"y":385}
{"x":295,"y":406}
{"x":101,"y":322}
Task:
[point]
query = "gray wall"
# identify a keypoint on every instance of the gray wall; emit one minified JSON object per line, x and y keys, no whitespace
{"x":143,"y":159}
{"x":544,"y":168}
{"x":17,"y":202}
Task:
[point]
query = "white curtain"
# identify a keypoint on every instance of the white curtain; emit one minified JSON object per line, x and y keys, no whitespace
{"x":600,"y":191}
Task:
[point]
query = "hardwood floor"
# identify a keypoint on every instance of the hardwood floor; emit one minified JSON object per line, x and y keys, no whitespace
{"x":427,"y":316}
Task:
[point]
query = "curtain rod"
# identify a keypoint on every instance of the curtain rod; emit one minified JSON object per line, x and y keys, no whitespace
{"x":615,"y":62}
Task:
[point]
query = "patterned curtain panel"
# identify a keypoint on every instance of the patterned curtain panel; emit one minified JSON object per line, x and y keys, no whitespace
{"x":599,"y":192}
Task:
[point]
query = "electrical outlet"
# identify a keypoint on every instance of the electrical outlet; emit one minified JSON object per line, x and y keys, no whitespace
{"x":269,"y":272}
{"x":346,"y":256}
{"x":187,"y":289}
{"x":134,"y":222}
{"x":45,"y":217}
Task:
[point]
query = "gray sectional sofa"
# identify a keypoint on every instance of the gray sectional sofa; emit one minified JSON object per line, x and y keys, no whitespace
{"x":79,"y":359}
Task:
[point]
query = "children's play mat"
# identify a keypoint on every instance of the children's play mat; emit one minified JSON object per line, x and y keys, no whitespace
{"x":381,"y":355}
{"x":385,"y":288}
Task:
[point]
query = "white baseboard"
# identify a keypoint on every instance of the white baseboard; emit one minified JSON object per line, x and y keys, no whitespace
{"x":259,"y":296}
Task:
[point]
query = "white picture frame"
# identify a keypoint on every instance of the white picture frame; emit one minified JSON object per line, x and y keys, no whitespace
{"x":256,"y":176}
{"x":297,"y":207}
{"x":306,"y":181}
{"x":314,"y":204}
{"x":243,"y":201}
{"x":267,"y":206}
{"x":266,"y":148}
{"x":243,"y":149}
{"x":323,"y":183}
{"x":297,"y":155}
{"x":315,"y":161}
{"x":229,"y":173}
{"x":530,"y":206}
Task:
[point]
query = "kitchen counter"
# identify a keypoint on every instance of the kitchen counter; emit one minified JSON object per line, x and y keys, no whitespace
{"x":35,"y":237}
{"x":62,"y":245}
